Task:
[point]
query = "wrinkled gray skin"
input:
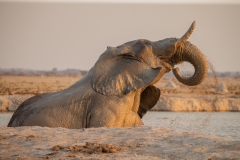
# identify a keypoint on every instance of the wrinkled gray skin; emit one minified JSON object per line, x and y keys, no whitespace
{"x":118,"y":90}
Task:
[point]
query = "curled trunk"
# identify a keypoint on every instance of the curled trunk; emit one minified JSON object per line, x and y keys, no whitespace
{"x":190,"y":53}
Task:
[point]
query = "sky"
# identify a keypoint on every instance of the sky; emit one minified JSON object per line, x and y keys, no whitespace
{"x":42,"y":35}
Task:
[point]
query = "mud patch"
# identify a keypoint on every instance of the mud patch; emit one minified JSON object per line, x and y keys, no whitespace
{"x":89,"y":148}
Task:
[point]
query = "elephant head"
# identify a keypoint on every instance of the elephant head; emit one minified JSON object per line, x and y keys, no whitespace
{"x":139,"y":63}
{"x":185,"y":51}
{"x":175,"y":51}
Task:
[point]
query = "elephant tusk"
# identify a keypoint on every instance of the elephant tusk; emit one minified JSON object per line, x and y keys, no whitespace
{"x":185,"y":37}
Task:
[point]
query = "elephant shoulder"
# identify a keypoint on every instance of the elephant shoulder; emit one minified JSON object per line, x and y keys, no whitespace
{"x":32,"y":100}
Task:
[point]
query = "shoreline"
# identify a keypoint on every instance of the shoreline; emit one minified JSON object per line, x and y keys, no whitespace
{"x":175,"y":97}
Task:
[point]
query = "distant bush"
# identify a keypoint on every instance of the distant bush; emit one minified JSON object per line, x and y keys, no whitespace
{"x":53,"y":72}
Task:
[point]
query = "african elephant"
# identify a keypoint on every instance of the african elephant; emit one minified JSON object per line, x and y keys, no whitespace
{"x":118,"y":90}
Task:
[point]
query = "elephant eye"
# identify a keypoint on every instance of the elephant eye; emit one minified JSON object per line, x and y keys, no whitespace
{"x":148,"y":43}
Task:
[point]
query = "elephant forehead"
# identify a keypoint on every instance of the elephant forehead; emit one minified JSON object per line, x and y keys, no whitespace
{"x":138,"y":47}
{"x":142,"y":50}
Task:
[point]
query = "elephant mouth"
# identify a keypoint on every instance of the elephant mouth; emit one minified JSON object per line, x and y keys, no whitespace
{"x":165,"y":59}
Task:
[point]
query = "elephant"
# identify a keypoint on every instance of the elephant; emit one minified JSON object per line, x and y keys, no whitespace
{"x":118,"y":90}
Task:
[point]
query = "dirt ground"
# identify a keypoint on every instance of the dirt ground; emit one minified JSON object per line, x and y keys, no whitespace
{"x":143,"y":142}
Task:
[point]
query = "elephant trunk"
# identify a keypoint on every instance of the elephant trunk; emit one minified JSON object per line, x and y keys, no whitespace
{"x":190,"y":53}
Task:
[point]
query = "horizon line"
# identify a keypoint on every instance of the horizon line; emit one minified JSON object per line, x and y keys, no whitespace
{"x":130,"y":1}
{"x":60,"y":69}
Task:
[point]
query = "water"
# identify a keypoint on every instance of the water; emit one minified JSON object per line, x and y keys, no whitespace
{"x":5,"y":118}
{"x":221,"y":124}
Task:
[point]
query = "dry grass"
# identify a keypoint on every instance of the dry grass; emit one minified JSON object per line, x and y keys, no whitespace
{"x":11,"y":85}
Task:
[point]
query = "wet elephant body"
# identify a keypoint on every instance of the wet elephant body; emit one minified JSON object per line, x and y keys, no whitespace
{"x":118,"y":90}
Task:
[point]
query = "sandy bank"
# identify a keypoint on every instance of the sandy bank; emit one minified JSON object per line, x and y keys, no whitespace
{"x":176,"y":103}
{"x":144,"y":142}
{"x":185,"y":103}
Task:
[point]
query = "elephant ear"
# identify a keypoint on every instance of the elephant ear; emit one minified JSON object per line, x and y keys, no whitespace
{"x":116,"y":74}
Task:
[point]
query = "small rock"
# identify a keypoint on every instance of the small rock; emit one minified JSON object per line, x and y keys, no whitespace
{"x":222,"y":88}
{"x":56,"y":148}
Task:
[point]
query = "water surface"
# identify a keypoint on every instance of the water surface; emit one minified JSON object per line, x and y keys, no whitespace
{"x":5,"y":118}
{"x":221,"y":124}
